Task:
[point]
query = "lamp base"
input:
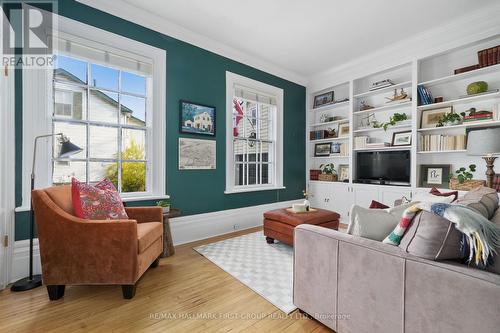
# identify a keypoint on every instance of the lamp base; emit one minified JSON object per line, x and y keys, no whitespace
{"x":490,"y":174}
{"x":27,"y":283}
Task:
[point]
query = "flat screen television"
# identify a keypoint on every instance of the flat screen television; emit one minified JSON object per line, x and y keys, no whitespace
{"x":383,"y":167}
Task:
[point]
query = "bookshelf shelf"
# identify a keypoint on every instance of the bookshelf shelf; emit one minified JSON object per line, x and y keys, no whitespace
{"x":463,"y":126}
{"x":461,"y":76}
{"x":328,"y":157}
{"x":383,"y":148}
{"x":329,"y":140}
{"x":395,"y":127}
{"x":383,"y":90}
{"x":331,"y":106}
{"x":385,"y":108}
{"x":442,"y":151}
{"x":460,"y":101}
{"x":342,"y":121}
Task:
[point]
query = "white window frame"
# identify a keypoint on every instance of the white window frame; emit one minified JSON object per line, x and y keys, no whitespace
{"x":38,"y":106}
{"x":233,"y":80}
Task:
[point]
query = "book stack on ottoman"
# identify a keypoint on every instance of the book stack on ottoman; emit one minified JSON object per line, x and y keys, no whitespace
{"x":279,"y":224}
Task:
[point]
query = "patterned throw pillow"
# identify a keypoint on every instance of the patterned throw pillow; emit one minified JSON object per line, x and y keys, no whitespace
{"x":377,"y":205}
{"x":97,"y":202}
{"x":435,"y":191}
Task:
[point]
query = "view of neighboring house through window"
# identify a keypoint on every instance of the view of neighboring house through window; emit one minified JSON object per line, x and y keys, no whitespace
{"x":253,"y":140}
{"x":103,"y":110}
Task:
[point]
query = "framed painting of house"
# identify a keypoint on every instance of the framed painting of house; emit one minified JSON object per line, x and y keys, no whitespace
{"x":197,"y":118}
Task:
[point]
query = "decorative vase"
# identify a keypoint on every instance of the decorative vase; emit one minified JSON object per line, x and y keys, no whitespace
{"x":166,"y":209}
{"x":477,"y":88}
{"x":307,"y":204}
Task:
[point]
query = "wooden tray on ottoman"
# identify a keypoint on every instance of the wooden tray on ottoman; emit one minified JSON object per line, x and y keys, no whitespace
{"x":279,"y":224}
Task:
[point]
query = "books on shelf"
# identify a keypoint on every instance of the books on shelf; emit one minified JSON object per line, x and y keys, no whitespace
{"x":361,"y":141}
{"x":478,"y":117}
{"x":489,"y":57}
{"x":344,"y":149}
{"x":440,"y":142}
{"x":424,"y":95}
{"x":378,"y":144}
{"x":321,"y":134}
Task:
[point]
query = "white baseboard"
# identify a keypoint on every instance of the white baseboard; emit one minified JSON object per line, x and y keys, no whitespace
{"x":20,"y":259}
{"x":184,"y":229}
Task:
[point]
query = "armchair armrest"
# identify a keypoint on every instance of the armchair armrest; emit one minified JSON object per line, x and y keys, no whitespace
{"x":145,"y":214}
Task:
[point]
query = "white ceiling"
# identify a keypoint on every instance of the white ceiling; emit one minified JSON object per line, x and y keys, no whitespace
{"x":308,"y":36}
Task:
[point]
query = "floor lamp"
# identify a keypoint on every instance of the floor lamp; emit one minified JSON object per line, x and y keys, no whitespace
{"x":67,"y":149}
{"x":485,"y":143}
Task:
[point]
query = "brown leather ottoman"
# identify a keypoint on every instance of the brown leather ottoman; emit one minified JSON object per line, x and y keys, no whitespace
{"x":280,"y":223}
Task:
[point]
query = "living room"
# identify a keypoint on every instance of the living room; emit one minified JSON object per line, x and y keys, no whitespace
{"x":190,"y":166}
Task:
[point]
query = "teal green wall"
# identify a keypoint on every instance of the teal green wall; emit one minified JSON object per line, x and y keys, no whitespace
{"x":196,"y":75}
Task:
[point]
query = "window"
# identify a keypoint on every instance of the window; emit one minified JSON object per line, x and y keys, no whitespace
{"x":107,"y":95}
{"x":103,"y":110}
{"x":254,"y":135}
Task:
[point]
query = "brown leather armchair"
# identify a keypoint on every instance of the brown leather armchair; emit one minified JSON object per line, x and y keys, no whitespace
{"x":75,"y":251}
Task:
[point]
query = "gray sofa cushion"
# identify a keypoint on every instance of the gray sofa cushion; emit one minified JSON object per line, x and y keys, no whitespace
{"x":432,"y":237}
{"x":484,"y":200}
{"x":496,"y":217}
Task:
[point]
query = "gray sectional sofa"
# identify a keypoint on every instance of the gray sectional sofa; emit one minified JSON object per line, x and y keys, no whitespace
{"x":353,"y":284}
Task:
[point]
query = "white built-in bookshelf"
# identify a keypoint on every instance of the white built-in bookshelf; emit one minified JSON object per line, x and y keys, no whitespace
{"x":436,"y":74}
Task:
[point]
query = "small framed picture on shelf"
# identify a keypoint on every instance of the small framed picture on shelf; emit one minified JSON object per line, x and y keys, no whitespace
{"x":323,"y":99}
{"x":322,"y":149}
{"x":400,"y":139}
{"x":335,"y":146}
{"x":343,"y":130}
{"x":343,"y":172}
{"x":430,"y":118}
{"x":437,"y":175}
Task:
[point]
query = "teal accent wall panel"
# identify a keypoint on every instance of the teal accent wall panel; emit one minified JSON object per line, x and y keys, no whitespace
{"x":196,"y":75}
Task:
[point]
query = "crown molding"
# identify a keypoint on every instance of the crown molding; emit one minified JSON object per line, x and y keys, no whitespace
{"x":154,"y":22}
{"x":479,"y":24}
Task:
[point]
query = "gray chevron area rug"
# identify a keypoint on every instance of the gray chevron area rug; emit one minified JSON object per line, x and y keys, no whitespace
{"x":265,"y":268}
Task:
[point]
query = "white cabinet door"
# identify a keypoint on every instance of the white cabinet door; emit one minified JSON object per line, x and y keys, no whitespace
{"x":321,"y":195}
{"x":387,"y":196}
{"x":364,"y":194}
{"x":342,"y":200}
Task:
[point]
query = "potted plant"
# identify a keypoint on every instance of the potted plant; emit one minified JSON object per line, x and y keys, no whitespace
{"x":393,"y":120}
{"x":165,"y":204}
{"x":449,"y":119}
{"x":462,"y":179}
{"x":328,"y":172}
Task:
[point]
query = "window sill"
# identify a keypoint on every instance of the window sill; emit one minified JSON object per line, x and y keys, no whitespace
{"x":254,"y":189}
{"x":21,"y":209}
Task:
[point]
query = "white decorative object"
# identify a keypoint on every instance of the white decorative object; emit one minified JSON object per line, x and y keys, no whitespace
{"x":195,"y":154}
{"x":299,"y":208}
{"x":307,"y":204}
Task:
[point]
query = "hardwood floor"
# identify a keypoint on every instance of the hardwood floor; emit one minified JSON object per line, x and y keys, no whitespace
{"x":185,"y":285}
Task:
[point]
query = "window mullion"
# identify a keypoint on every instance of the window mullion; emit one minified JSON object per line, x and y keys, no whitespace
{"x":119,"y":166}
{"x":87,"y":127}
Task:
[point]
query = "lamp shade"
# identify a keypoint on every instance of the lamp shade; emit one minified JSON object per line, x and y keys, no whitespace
{"x":68,"y":148}
{"x":484,"y":142}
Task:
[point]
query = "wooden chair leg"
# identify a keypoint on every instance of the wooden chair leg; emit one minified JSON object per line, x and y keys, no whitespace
{"x":128,"y":291}
{"x":269,"y":240}
{"x":55,"y":291}
{"x":155,"y":263}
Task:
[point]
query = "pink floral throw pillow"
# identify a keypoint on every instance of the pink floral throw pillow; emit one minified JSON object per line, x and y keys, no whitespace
{"x":97,"y":202}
